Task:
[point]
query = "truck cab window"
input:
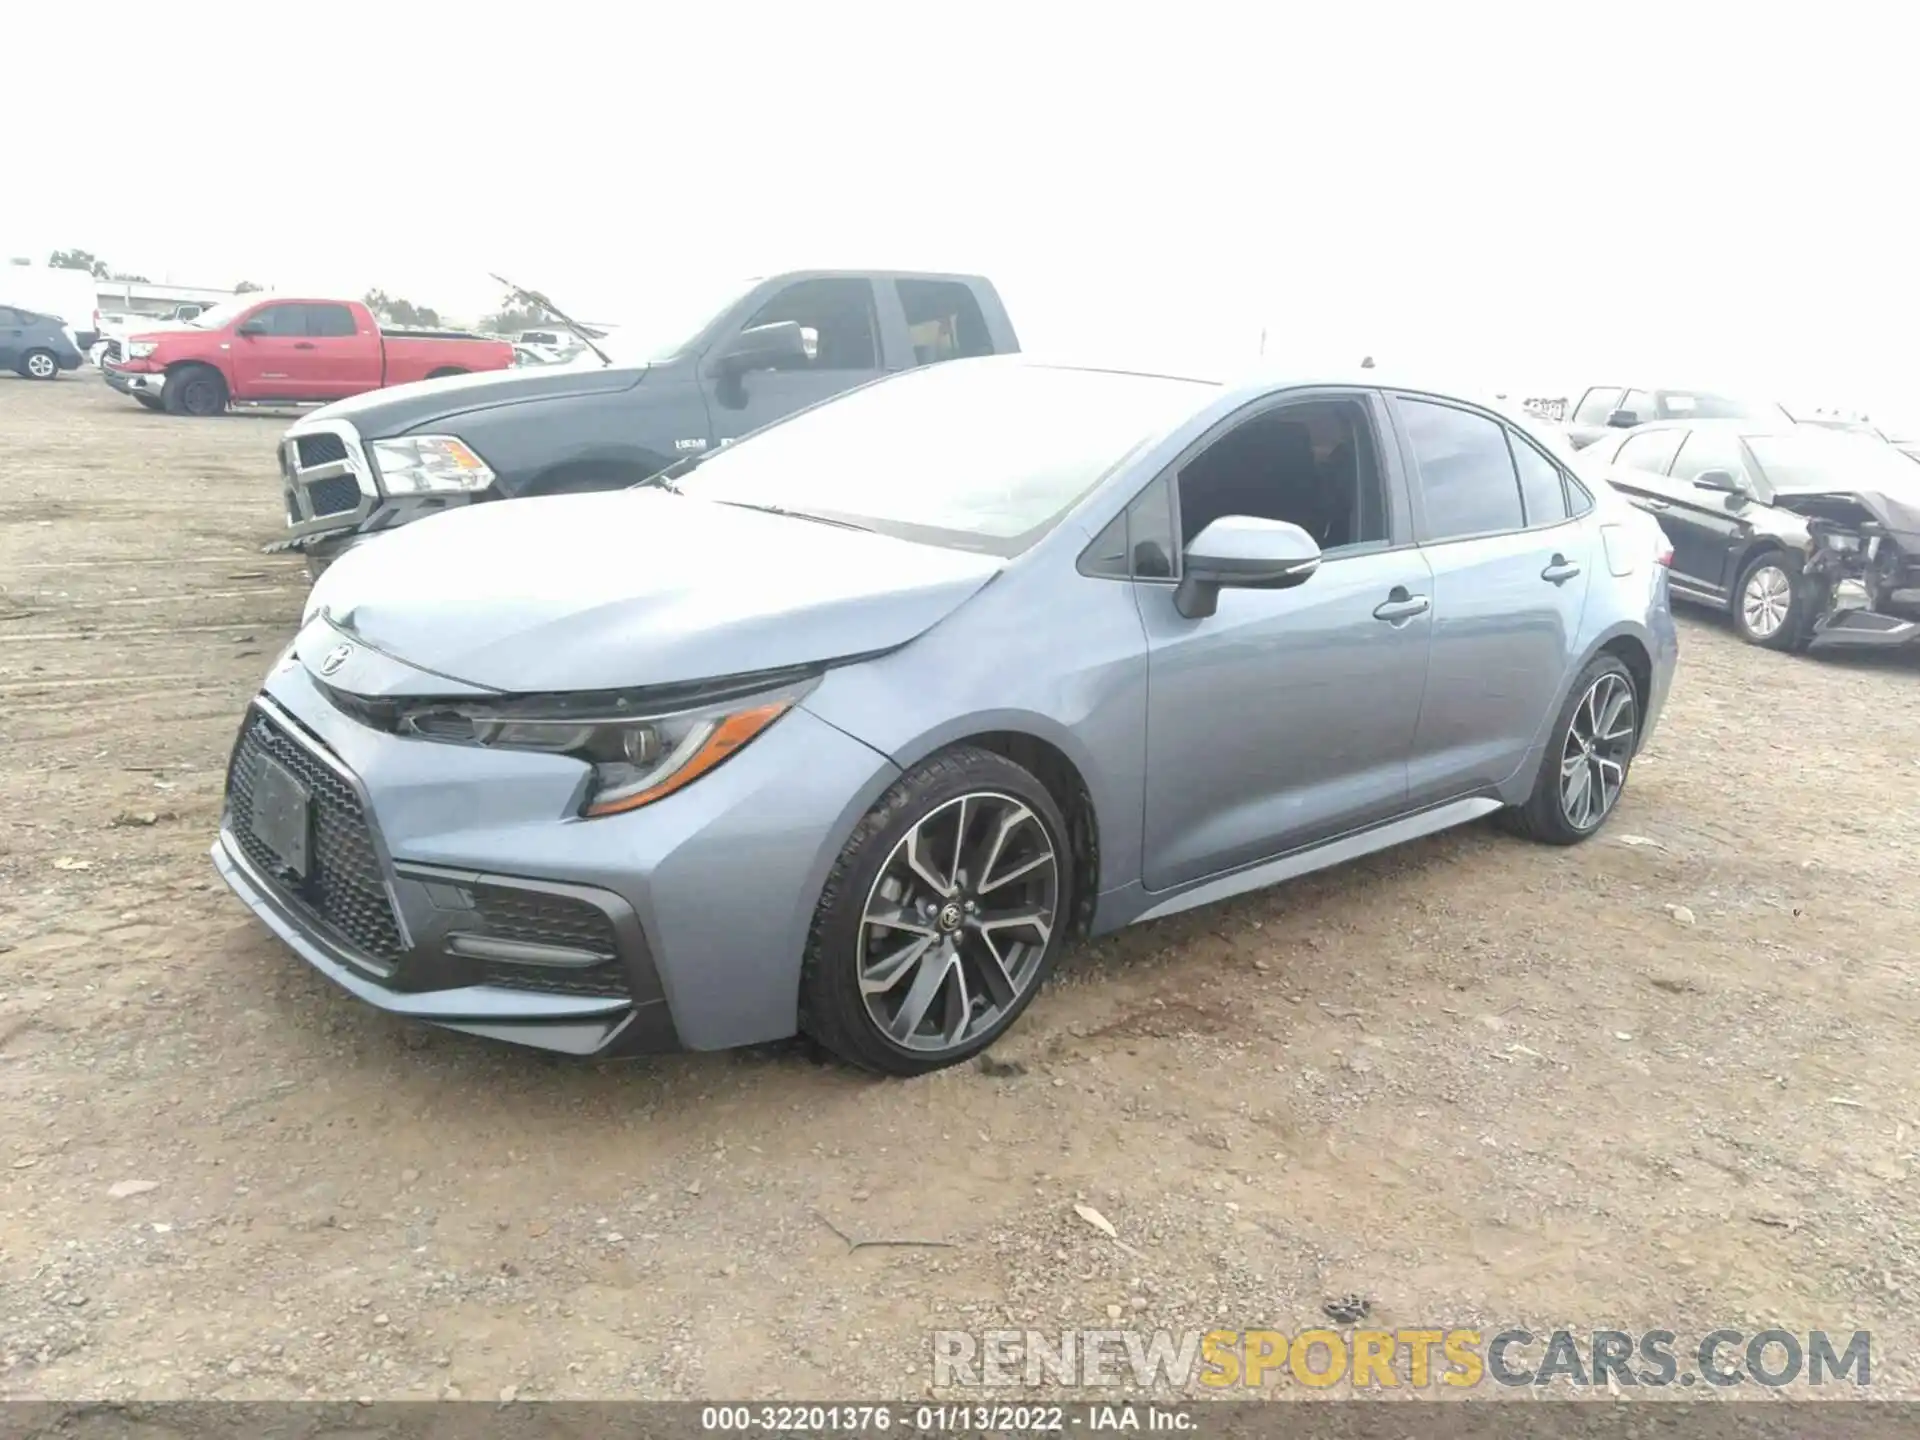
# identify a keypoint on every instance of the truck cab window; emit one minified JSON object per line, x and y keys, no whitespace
{"x":838,"y":311}
{"x":1312,"y":463}
{"x":945,"y":320}
{"x":329,"y":320}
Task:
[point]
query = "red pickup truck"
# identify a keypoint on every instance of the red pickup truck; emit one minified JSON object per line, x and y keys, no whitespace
{"x":276,"y":351}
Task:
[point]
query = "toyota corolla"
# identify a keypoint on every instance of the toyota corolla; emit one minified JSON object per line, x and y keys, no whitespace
{"x":850,"y":727}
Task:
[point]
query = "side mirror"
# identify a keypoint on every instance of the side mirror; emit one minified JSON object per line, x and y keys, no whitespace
{"x":1245,"y":553}
{"x":1725,"y":482}
{"x":1622,"y":419}
{"x":768,"y":347}
{"x":252,"y":328}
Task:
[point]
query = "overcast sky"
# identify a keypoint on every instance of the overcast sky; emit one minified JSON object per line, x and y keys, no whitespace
{"x":1534,"y":195}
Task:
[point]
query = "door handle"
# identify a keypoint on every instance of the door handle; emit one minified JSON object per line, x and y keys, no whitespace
{"x":1560,"y":571}
{"x":303,"y":345}
{"x":1399,"y":605}
{"x":1646,"y":504}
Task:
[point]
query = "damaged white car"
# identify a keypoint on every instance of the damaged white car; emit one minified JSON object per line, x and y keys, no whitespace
{"x":1808,"y":537}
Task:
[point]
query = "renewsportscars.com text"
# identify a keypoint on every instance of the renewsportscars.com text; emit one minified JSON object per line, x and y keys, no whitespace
{"x":1457,"y":1358}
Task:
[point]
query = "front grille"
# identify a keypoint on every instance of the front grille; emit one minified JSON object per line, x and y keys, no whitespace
{"x":335,"y":494}
{"x":322,"y":447}
{"x":345,"y":890}
{"x":113,"y":351}
{"x":538,"y":918}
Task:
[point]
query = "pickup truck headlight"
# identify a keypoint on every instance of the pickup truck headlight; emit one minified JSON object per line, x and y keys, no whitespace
{"x":429,"y":464}
{"x":636,"y":759}
{"x":141,"y":349}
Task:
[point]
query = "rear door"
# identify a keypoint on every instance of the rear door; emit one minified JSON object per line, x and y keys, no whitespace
{"x":841,"y":316}
{"x":343,"y":354}
{"x":1698,"y":531}
{"x":1510,"y":573}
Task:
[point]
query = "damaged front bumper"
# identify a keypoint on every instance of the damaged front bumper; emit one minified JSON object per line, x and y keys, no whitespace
{"x":1864,"y":584}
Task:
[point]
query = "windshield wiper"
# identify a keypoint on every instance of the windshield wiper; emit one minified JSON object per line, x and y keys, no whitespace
{"x":796,"y":515}
{"x":580,"y":332}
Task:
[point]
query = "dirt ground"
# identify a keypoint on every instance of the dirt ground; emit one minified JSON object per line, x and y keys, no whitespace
{"x":1476,"y":1081}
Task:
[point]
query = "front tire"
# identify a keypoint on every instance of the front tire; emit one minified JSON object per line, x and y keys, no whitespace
{"x":1584,"y":772}
{"x":942,"y":918}
{"x":1770,"y":604}
{"x":195,"y":390}
{"x":40,"y":365}
{"x":149,"y":402}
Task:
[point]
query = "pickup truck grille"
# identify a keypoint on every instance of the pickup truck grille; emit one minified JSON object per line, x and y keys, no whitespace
{"x":326,"y":480}
{"x":112,"y":351}
{"x":324,"y":448}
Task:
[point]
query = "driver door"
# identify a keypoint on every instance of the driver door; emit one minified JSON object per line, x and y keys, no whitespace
{"x":277,"y":363}
{"x":843,"y":318}
{"x":1287,"y":716}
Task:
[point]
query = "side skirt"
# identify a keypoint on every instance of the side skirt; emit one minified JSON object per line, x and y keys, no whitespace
{"x":1327,"y":853}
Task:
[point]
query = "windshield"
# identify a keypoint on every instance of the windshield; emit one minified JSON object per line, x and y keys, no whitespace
{"x":664,"y":325}
{"x":973,"y":454}
{"x":1833,"y":460}
{"x":221,"y":316}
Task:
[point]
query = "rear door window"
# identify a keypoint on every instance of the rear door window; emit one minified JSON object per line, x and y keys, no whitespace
{"x":944,"y":318}
{"x":1467,"y":479}
{"x":330,"y":320}
{"x":1541,"y":491}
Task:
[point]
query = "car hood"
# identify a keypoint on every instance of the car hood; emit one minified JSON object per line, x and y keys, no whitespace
{"x":635,"y":588}
{"x":1896,"y":510}
{"x":378,"y":414}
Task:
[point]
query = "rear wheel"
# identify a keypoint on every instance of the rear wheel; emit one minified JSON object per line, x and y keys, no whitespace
{"x":195,"y":390}
{"x":39,"y":365}
{"x":942,"y":917}
{"x":1769,"y":603}
{"x":1584,"y":771}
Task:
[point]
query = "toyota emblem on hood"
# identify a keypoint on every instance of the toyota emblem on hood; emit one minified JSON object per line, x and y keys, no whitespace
{"x":335,"y":658}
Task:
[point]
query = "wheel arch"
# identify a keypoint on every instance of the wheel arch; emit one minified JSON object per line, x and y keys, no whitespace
{"x":1050,"y":753}
{"x":622,"y":468}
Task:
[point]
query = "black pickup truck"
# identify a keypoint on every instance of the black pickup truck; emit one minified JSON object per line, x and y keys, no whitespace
{"x":613,"y":418}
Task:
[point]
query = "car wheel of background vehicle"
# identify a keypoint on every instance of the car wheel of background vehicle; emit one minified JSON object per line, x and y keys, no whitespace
{"x":1584,"y":771}
{"x":1769,"y":606}
{"x":195,"y":390}
{"x":149,"y":401}
{"x":39,"y":365}
{"x":942,"y":917}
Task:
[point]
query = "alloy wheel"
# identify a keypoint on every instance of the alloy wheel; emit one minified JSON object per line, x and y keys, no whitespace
{"x":958,"y":921}
{"x":1593,"y":760}
{"x":1765,"y":601}
{"x":40,"y":366}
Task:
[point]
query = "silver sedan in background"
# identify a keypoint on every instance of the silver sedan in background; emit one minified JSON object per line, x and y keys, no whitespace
{"x":848,"y":728}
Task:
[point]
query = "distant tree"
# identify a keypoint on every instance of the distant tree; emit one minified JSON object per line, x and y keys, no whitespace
{"x":245,"y":287}
{"x":400,"y":312}
{"x":78,"y":260}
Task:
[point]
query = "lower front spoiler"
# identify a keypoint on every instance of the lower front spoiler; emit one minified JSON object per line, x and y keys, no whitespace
{"x":1863,"y":630}
{"x":567,"y":1024}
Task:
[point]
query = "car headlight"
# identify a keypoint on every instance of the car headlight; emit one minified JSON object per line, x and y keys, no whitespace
{"x":636,"y":758}
{"x":1845,"y":543}
{"x":429,"y":464}
{"x":141,"y":349}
